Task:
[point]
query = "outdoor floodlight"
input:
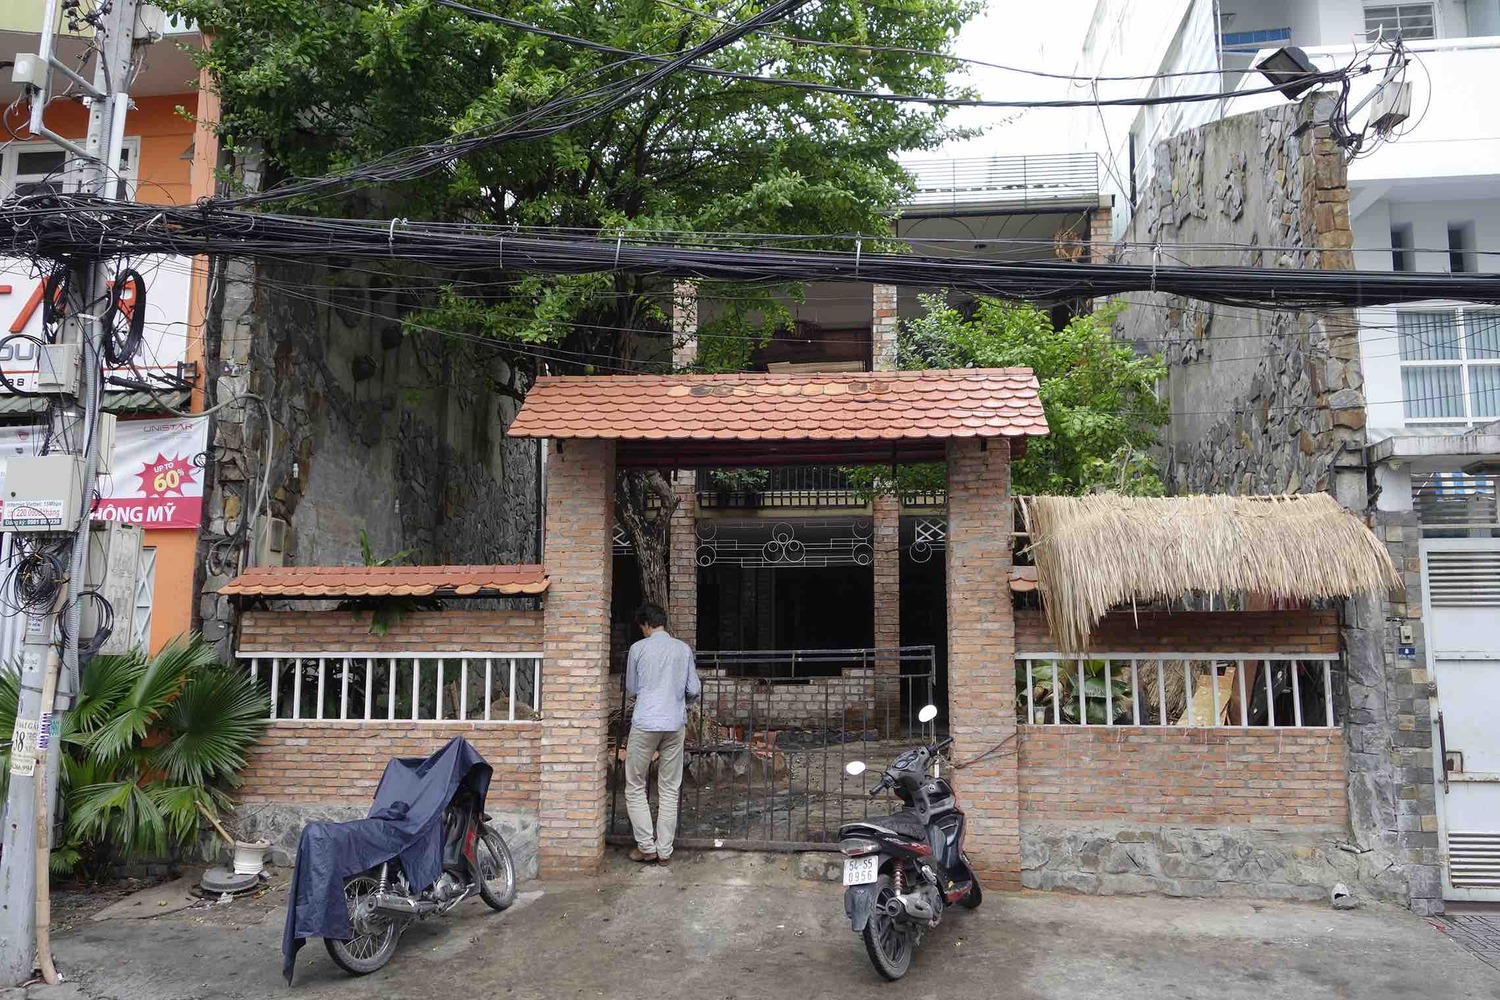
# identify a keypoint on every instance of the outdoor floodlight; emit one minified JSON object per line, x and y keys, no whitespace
{"x":1289,"y":71}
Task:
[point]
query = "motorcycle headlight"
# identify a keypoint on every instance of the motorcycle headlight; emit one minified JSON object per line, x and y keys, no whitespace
{"x":855,"y":846}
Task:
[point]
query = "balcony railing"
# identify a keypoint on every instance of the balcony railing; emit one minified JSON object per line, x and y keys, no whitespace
{"x":784,"y":486}
{"x":1004,"y":181}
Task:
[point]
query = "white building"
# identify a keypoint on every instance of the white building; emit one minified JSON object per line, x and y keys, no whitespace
{"x":1428,"y":201}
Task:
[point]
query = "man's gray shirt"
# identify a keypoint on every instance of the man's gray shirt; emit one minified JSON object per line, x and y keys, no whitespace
{"x":661,"y":674}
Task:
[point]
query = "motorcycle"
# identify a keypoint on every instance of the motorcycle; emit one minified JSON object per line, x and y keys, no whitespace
{"x":903,"y":870}
{"x":476,"y":861}
{"x":425,"y":847}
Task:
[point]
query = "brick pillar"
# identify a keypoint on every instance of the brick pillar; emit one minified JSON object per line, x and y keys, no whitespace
{"x":887,"y":568}
{"x":981,"y":654}
{"x":1100,"y":243}
{"x":576,"y":690}
{"x":883,"y":325}
{"x":682,"y":561}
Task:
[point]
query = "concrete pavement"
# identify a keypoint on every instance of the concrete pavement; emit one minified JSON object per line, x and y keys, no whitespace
{"x":733,"y":927}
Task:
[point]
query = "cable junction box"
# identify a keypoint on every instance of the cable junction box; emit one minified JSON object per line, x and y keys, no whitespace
{"x":42,"y":493}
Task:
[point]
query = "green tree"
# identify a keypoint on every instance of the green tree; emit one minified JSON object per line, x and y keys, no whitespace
{"x":318,"y":85}
{"x":1098,"y":393}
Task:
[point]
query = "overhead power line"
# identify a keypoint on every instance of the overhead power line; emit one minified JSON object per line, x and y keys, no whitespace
{"x":72,"y":227}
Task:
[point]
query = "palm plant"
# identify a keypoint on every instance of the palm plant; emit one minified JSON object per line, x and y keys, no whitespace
{"x":150,"y":750}
{"x":1097,"y":675}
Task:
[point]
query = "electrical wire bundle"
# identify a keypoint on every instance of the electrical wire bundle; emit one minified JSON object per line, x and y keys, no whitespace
{"x":36,"y":577}
{"x":69,"y":226}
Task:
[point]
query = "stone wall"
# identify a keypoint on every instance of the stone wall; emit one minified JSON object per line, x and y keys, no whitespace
{"x":398,"y":432}
{"x":1263,"y":401}
{"x":1267,"y":401}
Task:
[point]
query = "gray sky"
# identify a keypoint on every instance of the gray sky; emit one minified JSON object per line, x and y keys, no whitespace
{"x":1032,"y":34}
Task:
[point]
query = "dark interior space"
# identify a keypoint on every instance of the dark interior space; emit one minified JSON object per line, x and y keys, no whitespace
{"x":789,"y":608}
{"x":924,"y":611}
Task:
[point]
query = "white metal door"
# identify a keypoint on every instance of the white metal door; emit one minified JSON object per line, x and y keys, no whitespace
{"x":1461,"y":595}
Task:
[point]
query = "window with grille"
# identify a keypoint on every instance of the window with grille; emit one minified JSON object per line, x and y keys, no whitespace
{"x":39,"y":167}
{"x":1450,"y":365}
{"x":1401,"y":20}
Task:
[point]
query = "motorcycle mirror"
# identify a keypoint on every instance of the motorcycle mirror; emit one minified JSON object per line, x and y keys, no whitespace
{"x":855,"y":768}
{"x":927,"y":714}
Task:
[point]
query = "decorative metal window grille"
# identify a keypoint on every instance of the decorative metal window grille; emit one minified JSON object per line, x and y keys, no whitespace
{"x":929,"y":535}
{"x":1450,"y":365}
{"x":812,"y":542}
{"x":1403,"y":20}
{"x":622,"y":541}
{"x":145,"y":587}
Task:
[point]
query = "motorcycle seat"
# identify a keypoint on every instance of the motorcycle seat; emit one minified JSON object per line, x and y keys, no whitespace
{"x":903,"y":823}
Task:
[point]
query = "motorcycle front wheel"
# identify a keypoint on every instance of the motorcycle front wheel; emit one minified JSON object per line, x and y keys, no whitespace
{"x":888,"y":944}
{"x":497,"y":870}
{"x":375,"y":937}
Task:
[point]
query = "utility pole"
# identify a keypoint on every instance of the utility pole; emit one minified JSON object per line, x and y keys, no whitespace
{"x":49,"y":659}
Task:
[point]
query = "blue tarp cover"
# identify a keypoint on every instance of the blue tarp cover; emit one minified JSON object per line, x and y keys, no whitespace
{"x":405,"y":821}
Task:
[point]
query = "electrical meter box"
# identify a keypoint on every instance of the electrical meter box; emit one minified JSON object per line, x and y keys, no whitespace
{"x":42,"y":493}
{"x":112,"y":571}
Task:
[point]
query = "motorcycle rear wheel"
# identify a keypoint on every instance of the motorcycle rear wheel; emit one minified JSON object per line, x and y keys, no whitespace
{"x":375,"y":937}
{"x":973,"y":897}
{"x":497,"y":871}
{"x":888,"y":944}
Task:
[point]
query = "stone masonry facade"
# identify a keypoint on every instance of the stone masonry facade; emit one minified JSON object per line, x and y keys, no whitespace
{"x":576,"y":688}
{"x":1272,"y":401}
{"x":981,"y":655}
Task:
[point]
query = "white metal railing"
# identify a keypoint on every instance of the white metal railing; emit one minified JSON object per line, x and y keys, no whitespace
{"x":1177,"y":689}
{"x":1016,"y":181}
{"x":390,"y":687}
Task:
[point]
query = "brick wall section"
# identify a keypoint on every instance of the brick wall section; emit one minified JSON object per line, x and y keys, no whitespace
{"x":884,"y":325}
{"x":821,"y":702}
{"x":981,"y":653}
{"x":576,"y":691}
{"x":1133,"y":776}
{"x":420,"y":631}
{"x":1299,"y":631}
{"x":1100,"y":244}
{"x":682,"y":561}
{"x":341,"y":762}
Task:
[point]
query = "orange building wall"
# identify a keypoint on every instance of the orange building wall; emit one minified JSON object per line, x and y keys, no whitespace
{"x":162,"y":176}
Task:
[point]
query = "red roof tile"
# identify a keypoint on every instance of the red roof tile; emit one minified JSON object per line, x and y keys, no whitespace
{"x":885,"y":406}
{"x":377,"y":581}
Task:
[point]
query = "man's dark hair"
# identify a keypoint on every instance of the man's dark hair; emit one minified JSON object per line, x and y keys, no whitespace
{"x":651,"y":614}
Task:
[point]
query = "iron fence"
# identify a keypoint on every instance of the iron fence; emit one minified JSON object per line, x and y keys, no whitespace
{"x":767,"y":743}
{"x":782,"y":486}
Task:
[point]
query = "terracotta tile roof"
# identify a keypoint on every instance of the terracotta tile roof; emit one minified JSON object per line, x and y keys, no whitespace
{"x":382,"y":581}
{"x":863,"y":406}
{"x":1023,"y":579}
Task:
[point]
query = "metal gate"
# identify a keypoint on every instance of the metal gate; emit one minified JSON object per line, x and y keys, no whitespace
{"x":768,"y":741}
{"x":1461,"y":594}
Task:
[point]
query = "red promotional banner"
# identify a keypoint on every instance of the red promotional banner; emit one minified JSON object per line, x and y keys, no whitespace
{"x":155,"y":480}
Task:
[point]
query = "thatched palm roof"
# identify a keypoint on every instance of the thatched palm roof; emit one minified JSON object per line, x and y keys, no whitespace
{"x":1096,"y":552}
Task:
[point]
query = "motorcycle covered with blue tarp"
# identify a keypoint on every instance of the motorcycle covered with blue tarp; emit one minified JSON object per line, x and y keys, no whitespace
{"x":425,"y":847}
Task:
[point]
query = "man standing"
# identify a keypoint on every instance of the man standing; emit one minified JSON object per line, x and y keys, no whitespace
{"x":661,"y":675}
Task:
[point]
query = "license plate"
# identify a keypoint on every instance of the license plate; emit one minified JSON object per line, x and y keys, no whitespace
{"x":861,"y":871}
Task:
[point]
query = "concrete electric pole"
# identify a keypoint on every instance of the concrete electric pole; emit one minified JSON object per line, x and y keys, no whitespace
{"x":59,"y":486}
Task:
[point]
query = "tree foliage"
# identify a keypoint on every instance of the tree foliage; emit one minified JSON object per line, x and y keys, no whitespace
{"x":1098,"y":393}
